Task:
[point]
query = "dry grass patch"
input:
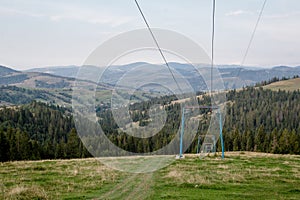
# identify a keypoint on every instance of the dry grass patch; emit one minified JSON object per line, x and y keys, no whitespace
{"x":24,"y":193}
{"x":289,"y":85}
{"x":60,"y":178}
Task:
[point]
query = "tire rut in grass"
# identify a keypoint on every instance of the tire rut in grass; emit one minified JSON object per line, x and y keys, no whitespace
{"x":136,"y":186}
{"x":143,"y":188}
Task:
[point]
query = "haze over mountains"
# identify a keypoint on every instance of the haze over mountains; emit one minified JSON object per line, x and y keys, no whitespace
{"x":234,"y":76}
{"x":54,"y":84}
{"x":23,"y":87}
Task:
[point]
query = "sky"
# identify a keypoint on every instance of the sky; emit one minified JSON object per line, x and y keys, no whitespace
{"x":41,"y":33}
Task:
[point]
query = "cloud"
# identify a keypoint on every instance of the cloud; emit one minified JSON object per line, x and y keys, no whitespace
{"x":88,"y":15}
{"x":238,"y":13}
{"x":269,"y":16}
{"x":72,"y":14}
{"x":92,"y":18}
{"x":15,"y":12}
{"x":282,"y":15}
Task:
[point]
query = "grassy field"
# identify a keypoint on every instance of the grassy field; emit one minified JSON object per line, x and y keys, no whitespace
{"x":288,"y":85}
{"x":241,"y":175}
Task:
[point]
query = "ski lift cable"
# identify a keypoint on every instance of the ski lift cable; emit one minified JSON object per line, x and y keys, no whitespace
{"x":212,"y":46}
{"x":157,"y":44}
{"x":252,"y":35}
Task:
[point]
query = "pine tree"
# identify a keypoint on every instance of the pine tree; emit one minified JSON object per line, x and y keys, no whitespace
{"x":283,"y":142}
{"x":73,"y":145}
{"x":60,"y":151}
{"x":274,"y":143}
{"x":259,"y":139}
{"x":236,"y":140}
{"x":250,"y":141}
{"x":294,"y":142}
{"x":4,"y":147}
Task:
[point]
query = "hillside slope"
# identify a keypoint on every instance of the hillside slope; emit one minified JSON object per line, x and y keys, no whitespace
{"x":5,"y":70}
{"x":288,"y":85}
{"x":23,"y":87}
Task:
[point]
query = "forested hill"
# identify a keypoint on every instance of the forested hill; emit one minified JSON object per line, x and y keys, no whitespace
{"x":263,"y":120}
{"x":257,"y":119}
{"x":5,"y":70}
{"x":38,"y":131}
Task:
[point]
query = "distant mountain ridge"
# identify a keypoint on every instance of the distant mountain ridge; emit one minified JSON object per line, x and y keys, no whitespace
{"x":5,"y":70}
{"x":17,"y":87}
{"x":54,"y":84}
{"x":65,"y":71}
{"x":234,"y":76}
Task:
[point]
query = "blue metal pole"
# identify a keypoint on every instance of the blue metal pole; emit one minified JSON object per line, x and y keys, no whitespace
{"x":221,"y":135}
{"x":181,"y":133}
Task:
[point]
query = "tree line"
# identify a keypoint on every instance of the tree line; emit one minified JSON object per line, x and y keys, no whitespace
{"x":38,"y":131}
{"x":256,"y":120}
{"x":263,"y":120}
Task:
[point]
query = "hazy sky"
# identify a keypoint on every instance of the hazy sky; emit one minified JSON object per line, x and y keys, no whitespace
{"x":37,"y":33}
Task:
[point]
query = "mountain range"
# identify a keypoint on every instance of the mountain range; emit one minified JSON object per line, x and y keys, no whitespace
{"x":54,"y":84}
{"x":234,"y":76}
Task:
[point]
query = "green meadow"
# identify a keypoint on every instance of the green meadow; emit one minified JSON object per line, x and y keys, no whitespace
{"x":241,"y":175}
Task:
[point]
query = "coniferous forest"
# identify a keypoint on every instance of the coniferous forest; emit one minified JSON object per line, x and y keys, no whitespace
{"x":256,"y":120}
